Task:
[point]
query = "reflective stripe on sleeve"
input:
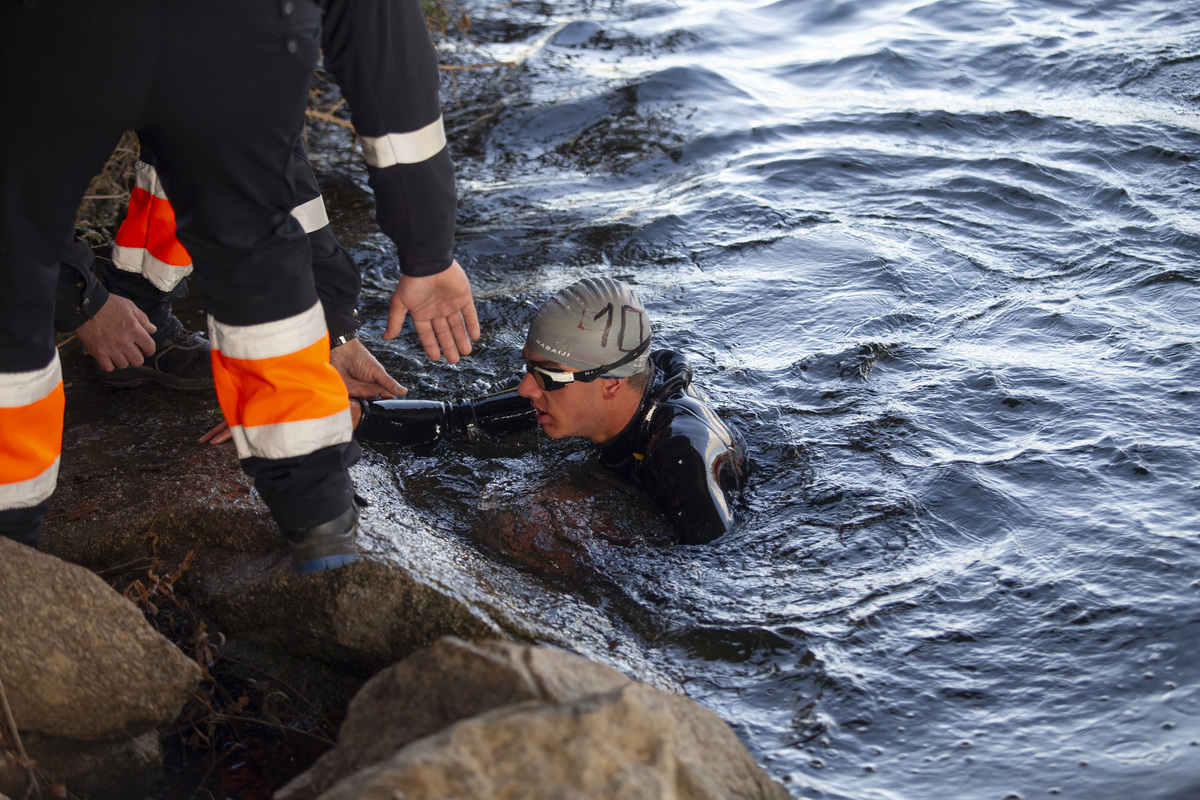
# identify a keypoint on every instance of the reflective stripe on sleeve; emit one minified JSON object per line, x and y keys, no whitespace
{"x":311,"y":215}
{"x":279,"y":394}
{"x":405,"y":148}
{"x":146,"y":243}
{"x":31,"y":426}
{"x":163,"y":275}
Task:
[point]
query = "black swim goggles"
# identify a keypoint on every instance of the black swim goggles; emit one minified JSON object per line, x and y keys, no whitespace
{"x":548,"y":380}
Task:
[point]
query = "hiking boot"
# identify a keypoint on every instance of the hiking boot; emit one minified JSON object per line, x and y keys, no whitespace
{"x":181,"y":361}
{"x":326,"y":546}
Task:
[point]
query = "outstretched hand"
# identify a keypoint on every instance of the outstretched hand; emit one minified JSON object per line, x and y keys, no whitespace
{"x":362,"y":373}
{"x":442,"y":310}
{"x":220,"y":434}
{"x":119,"y":335}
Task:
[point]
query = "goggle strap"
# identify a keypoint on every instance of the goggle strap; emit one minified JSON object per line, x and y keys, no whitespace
{"x":586,"y":376}
{"x":591,"y":374}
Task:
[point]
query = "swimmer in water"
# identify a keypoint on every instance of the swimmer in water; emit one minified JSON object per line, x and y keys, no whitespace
{"x":590,"y":373}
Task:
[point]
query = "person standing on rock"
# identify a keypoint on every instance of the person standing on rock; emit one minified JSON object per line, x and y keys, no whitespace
{"x":218,"y":91}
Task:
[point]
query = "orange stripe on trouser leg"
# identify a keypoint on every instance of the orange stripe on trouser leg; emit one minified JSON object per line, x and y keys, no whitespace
{"x":31,"y":437}
{"x":150,"y":225}
{"x":291,"y":388}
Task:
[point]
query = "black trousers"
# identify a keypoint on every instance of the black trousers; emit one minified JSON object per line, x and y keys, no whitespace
{"x":336,"y":275}
{"x":217,"y":88}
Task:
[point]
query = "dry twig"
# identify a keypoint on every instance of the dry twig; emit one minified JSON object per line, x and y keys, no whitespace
{"x":11,"y":741}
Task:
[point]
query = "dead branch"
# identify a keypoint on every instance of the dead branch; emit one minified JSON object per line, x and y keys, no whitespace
{"x":326,"y":116}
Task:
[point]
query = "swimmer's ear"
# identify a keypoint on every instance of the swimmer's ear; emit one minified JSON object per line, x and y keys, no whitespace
{"x":611,"y":387}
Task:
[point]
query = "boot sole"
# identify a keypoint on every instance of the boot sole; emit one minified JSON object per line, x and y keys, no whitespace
{"x":324,"y":563}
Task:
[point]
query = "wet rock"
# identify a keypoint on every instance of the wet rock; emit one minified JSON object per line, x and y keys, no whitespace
{"x":363,"y":616}
{"x":436,"y":687}
{"x":193,"y":501}
{"x":495,"y":719}
{"x":79,"y":661}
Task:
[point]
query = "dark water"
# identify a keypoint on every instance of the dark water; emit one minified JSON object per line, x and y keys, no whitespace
{"x":940,"y":262}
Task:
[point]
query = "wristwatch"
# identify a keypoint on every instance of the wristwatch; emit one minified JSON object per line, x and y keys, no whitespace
{"x":343,"y":339}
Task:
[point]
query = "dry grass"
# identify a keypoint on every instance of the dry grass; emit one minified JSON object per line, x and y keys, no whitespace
{"x":107,"y":195}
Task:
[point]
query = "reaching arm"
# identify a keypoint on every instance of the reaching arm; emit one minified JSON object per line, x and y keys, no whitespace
{"x":362,"y":373}
{"x":119,"y":335}
{"x":442,"y":309}
{"x":383,"y":59}
{"x":417,"y":422}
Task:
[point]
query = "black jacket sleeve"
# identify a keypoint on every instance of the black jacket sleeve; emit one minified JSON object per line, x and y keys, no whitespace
{"x":80,"y":294}
{"x":382,"y":56}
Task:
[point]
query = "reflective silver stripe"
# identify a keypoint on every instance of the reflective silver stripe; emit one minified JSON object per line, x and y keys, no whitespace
{"x":291,"y":439}
{"x":25,"y":388}
{"x":31,"y":492}
{"x":270,"y":339}
{"x":311,"y":215}
{"x":405,"y":148}
{"x":22,"y":389}
{"x":145,"y":177}
{"x":24,"y":494}
{"x":139,"y":260}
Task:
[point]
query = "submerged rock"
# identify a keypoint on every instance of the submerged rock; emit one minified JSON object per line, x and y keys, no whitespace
{"x":495,"y":719}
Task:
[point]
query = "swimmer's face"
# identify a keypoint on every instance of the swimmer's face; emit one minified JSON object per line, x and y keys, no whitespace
{"x":565,"y":409}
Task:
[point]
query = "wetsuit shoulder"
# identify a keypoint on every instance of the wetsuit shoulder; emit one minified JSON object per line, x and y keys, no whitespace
{"x":694,"y":462}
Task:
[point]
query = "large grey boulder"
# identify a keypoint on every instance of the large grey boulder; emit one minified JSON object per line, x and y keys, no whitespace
{"x":499,"y":720}
{"x":79,"y":661}
{"x":87,"y":678}
{"x":438,"y":686}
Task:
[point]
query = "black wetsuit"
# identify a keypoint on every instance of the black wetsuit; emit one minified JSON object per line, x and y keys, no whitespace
{"x":685,"y":456}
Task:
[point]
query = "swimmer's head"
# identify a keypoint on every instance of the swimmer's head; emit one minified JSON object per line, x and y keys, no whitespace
{"x":596,"y":323}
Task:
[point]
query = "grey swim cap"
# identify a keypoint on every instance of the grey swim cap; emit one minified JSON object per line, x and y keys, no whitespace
{"x":590,"y":324}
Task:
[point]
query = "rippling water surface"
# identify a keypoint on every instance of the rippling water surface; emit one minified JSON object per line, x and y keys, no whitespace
{"x":939,"y":261}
